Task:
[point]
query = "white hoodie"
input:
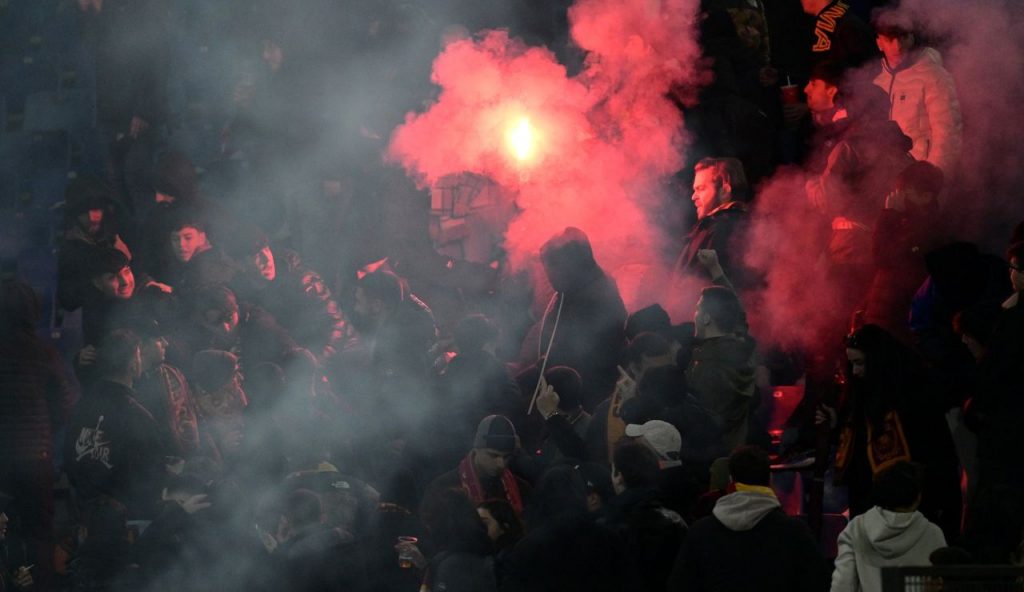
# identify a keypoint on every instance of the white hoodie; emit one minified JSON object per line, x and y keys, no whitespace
{"x":881,"y":538}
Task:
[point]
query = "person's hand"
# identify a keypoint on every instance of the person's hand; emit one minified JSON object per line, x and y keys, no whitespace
{"x":87,"y":355}
{"x":547,"y":400}
{"x":411,"y":552}
{"x":195,"y":503}
{"x":708,"y":259}
{"x":794,"y":112}
{"x":23,"y":577}
{"x":895,"y":201}
{"x":137,"y":126}
{"x":626,"y":386}
{"x":823,"y":414}
{"x":162,"y":287}
{"x":174,"y":465}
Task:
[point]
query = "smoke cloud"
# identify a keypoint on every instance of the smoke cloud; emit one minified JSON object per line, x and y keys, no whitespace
{"x":590,"y":150}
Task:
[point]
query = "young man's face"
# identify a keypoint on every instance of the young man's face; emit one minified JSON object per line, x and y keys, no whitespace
{"x":119,"y":285}
{"x":262,"y":264}
{"x":154,"y":351}
{"x":222,"y":322}
{"x":707,"y":195}
{"x":820,"y":95}
{"x":894,"y":48}
{"x":272,"y":55}
{"x":490,"y":462}
{"x":186,"y":242}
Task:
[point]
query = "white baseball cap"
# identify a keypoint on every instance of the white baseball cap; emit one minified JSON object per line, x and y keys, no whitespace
{"x":663,"y":437}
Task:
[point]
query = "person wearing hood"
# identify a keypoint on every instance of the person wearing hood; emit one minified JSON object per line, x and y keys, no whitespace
{"x":749,"y":543}
{"x":922,"y":93}
{"x":588,"y":312}
{"x":892,"y":533}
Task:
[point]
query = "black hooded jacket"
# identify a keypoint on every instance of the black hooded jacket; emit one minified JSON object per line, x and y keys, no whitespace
{"x":590,"y":333}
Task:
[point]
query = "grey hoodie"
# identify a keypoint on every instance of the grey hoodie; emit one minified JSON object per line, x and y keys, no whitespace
{"x":744,"y":509}
{"x":882,"y":538}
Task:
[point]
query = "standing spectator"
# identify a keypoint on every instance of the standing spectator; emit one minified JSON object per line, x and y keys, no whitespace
{"x":113,"y":446}
{"x":652,"y":532}
{"x":721,"y":371}
{"x":195,"y":261}
{"x":890,"y":412}
{"x":34,"y":400}
{"x":908,"y":227}
{"x":749,"y":543}
{"x":588,"y":312}
{"x":840,"y":37}
{"x":892,"y":533}
{"x":720,"y":193}
{"x":922,"y":94}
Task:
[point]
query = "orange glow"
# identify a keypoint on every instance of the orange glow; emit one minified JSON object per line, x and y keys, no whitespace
{"x":520,"y":138}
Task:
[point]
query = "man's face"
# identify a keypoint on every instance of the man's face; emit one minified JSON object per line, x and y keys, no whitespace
{"x":120,"y":285}
{"x":186,"y":242}
{"x":490,"y":462}
{"x":91,"y":221}
{"x":262,"y":264}
{"x":154,"y":352}
{"x":163,"y":198}
{"x":1016,"y":274}
{"x":707,"y":195}
{"x":894,"y":48}
{"x":858,"y":362}
{"x":820,"y":95}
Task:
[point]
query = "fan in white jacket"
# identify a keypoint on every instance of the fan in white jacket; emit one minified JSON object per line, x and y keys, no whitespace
{"x":923,"y":99}
{"x":882,"y":538}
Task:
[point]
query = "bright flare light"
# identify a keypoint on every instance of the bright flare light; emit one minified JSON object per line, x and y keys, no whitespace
{"x":520,"y":139}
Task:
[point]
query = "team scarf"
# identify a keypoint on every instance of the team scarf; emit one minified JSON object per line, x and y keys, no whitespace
{"x":885,"y":448}
{"x":471,"y":484}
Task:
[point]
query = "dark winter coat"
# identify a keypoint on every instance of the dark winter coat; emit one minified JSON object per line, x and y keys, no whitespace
{"x":35,"y":397}
{"x":841,"y":38}
{"x":749,"y":544}
{"x":591,"y":329}
{"x":652,"y":533}
{"x":114,"y":448}
{"x":462,"y":572}
{"x":572,"y":553}
{"x":723,"y":230}
{"x":721,"y":378}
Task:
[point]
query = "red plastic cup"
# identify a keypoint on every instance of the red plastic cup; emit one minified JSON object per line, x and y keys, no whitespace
{"x":790,"y":94}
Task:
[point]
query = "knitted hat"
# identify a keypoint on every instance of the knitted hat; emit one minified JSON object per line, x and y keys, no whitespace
{"x":496,"y":432}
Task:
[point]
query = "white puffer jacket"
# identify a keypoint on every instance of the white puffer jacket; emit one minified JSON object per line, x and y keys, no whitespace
{"x":924,"y":104}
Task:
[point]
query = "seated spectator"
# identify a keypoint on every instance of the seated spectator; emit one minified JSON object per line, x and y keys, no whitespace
{"x":652,"y":532}
{"x":892,"y":533}
{"x":315,"y":556}
{"x":278,"y":282}
{"x":113,"y":446}
{"x":749,"y":543}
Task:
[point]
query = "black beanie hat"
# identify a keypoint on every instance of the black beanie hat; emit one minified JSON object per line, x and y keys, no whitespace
{"x":496,"y":432}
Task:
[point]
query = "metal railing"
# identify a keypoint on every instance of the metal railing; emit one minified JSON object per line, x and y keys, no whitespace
{"x":963,"y":578}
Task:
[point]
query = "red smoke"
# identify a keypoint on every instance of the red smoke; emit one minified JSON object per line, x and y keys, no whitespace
{"x":603,"y":142}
